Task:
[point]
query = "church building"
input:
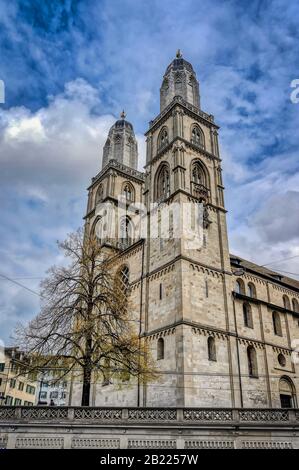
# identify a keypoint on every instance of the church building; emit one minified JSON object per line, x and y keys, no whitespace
{"x":221,"y":329}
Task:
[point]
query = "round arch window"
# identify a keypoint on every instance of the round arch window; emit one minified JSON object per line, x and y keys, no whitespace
{"x":282,"y":360}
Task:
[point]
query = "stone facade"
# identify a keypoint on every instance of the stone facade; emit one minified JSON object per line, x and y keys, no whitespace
{"x":220,"y":327}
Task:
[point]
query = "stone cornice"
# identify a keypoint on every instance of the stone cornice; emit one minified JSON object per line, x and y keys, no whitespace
{"x":128,"y":172}
{"x":207,"y":119}
{"x":199,"y":150}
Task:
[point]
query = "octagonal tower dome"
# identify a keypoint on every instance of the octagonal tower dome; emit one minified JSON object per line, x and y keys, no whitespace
{"x":121,"y":144}
{"x":179,"y":80}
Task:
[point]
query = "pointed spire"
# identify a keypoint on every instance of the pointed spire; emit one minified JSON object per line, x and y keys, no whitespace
{"x":179,"y":54}
{"x":123,"y":114}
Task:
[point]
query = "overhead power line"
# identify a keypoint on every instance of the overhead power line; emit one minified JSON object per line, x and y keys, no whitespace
{"x":19,"y":284}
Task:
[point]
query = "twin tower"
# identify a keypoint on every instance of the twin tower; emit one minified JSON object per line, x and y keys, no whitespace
{"x":179,"y":295}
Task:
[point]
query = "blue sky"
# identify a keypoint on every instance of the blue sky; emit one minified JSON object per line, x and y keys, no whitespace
{"x":69,"y":68}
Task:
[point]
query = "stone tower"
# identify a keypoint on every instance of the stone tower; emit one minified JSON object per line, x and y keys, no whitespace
{"x":121,"y":144}
{"x":188,"y":288}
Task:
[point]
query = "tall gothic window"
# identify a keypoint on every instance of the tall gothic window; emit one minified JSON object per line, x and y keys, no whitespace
{"x":212,"y":349}
{"x":252,"y":362}
{"x":286,"y":302}
{"x":197,"y":174}
{"x":99,"y":194}
{"x":295,"y":305}
{"x":240,"y":287}
{"x":162,"y":183}
{"x":126,"y":232}
{"x":160,"y":349}
{"x":197,"y":137}
{"x":247,"y":314}
{"x":163,"y":138}
{"x":124,"y":275}
{"x":276,"y":324}
{"x":251,"y":290}
{"x":128,"y":192}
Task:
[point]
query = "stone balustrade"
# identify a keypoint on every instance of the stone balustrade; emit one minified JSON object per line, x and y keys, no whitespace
{"x":148,"y":428}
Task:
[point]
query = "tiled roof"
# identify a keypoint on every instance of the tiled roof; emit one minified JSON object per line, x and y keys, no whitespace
{"x":266,"y":272}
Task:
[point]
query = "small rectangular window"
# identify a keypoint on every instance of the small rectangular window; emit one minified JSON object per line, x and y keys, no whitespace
{"x":2,"y":367}
{"x":18,"y":402}
{"x":21,"y":386}
{"x":12,"y":383}
{"x":161,"y":291}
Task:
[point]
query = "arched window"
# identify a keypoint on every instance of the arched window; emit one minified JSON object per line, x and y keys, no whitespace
{"x":286,"y":302}
{"x":160,"y":349}
{"x":162,"y":182}
{"x":124,"y":278}
{"x":251,"y":290}
{"x":252,"y":362}
{"x":281,"y":360}
{"x":247,"y":314}
{"x":178,"y":83}
{"x":211,"y":349}
{"x":128,"y":192}
{"x":99,"y":194}
{"x":126,"y":232}
{"x":295,"y":305}
{"x":240,"y":287}
{"x":276,"y":324}
{"x":98,"y":229}
{"x":198,"y":174}
{"x":287,"y":393}
{"x":197,"y":137}
{"x":163,"y":138}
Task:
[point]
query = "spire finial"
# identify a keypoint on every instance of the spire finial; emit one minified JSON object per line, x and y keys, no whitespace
{"x":179,"y":54}
{"x":123,"y":114}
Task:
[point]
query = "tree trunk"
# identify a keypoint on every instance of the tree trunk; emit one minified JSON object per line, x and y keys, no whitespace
{"x":86,"y":386}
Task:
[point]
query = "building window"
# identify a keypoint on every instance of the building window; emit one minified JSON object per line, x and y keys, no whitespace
{"x":8,"y":400}
{"x":276,"y":324}
{"x":128,"y":192}
{"x":252,"y":362}
{"x":281,"y":360}
{"x":163,"y":138}
{"x":12,"y":383}
{"x":197,"y":137}
{"x":198,"y":175}
{"x":28,"y":403}
{"x":126,"y":232}
{"x":295,"y":305}
{"x":251,"y":290}
{"x":160,"y":291}
{"x":18,"y":402}
{"x":212,"y":349}
{"x":2,"y":367}
{"x":160,"y":349}
{"x":21,"y":386}
{"x":54,"y":394}
{"x":247,"y":314}
{"x":99,"y":194}
{"x":240,"y":287}
{"x":30,"y":389}
{"x":43,"y":395}
{"x":286,"y":302}
{"x":162,"y":182}
{"x":124,"y":278}
{"x":287,"y":393}
{"x":206,"y":288}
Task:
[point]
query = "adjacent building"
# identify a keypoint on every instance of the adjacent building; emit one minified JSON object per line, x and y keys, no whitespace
{"x":17,"y":387}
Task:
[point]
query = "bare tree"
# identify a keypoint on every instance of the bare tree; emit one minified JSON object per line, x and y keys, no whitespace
{"x":85,"y":327}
